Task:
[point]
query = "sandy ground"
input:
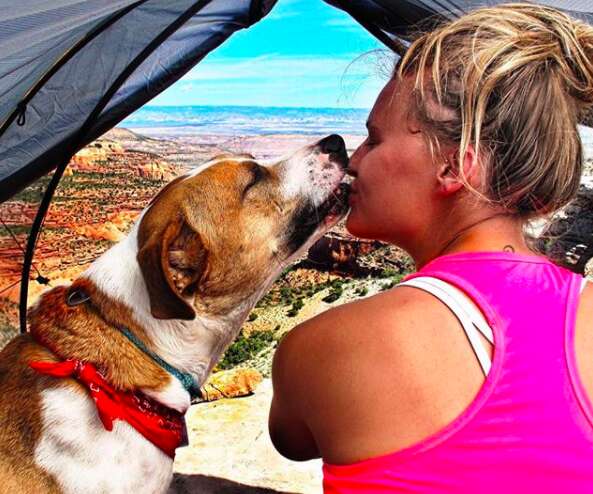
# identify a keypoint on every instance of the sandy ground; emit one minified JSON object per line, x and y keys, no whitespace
{"x":230,"y":451}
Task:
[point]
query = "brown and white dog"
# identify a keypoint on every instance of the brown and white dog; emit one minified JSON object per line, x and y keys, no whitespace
{"x":183,"y":281}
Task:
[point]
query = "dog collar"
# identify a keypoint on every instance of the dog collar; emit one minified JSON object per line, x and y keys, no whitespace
{"x":161,"y":425}
{"x":78,"y":297}
{"x":185,"y":378}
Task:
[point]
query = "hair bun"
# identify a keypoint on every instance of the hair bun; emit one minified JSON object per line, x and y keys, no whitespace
{"x":515,"y":79}
{"x":546,"y":35}
{"x":574,"y":56}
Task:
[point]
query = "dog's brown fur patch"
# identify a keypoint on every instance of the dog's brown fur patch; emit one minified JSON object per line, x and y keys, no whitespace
{"x":20,"y":418}
{"x":224,"y":235}
{"x":89,"y":332}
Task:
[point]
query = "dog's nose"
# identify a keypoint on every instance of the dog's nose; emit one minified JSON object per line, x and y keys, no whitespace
{"x":332,"y":144}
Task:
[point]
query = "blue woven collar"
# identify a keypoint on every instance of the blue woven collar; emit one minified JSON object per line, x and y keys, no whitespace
{"x":78,"y":296}
{"x":185,"y":378}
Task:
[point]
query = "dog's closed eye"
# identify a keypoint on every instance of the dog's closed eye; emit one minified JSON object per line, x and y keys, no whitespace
{"x":257,"y":174}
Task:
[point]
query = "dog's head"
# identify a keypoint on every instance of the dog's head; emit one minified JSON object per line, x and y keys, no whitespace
{"x":216,"y":238}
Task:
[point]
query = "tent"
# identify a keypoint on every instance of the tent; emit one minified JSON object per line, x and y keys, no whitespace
{"x":72,"y":69}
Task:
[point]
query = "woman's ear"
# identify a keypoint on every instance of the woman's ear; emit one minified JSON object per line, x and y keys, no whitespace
{"x":449,"y":175}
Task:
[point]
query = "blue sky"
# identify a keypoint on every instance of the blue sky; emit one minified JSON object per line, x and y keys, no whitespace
{"x":305,"y":53}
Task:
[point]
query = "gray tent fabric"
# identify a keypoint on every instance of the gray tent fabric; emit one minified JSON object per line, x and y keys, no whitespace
{"x":111,"y":57}
{"x":402,"y":18}
{"x":395,"y":22}
{"x":72,"y":69}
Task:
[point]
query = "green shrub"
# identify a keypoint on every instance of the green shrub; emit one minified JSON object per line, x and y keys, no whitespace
{"x":252,"y":316}
{"x":334,"y":294}
{"x":361,"y":291}
{"x":245,"y":348}
{"x":266,"y":300}
{"x":286,"y":270}
{"x":285,"y":292}
{"x":387,"y":286}
{"x":337,"y":283}
{"x":296,"y":306}
{"x":389,"y":272}
{"x":314,"y":288}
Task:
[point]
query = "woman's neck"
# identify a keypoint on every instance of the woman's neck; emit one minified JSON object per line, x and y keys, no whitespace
{"x":492,"y":232}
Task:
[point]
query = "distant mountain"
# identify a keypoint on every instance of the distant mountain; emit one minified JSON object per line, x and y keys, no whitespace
{"x":121,"y":134}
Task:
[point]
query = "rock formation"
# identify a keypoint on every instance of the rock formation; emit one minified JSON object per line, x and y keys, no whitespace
{"x":339,"y":251}
{"x":567,"y":238}
{"x":231,"y":383}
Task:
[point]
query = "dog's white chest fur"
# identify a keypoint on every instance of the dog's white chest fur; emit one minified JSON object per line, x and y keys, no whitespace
{"x":84,"y":457}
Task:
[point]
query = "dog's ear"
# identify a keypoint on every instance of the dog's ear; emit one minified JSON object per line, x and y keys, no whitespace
{"x":173,"y":260}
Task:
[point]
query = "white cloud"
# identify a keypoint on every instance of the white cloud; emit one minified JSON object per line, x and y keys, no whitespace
{"x":273,"y":66}
{"x":313,"y":89}
{"x":343,"y":23}
{"x":273,"y":80}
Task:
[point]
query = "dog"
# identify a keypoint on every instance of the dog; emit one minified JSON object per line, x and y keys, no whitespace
{"x":92,"y":398}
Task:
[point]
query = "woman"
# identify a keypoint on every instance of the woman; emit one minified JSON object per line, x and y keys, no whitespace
{"x":475,"y":134}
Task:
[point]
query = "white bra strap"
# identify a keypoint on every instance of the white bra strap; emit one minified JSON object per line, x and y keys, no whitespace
{"x":583,"y":283}
{"x":464,"y":319}
{"x":474,"y":314}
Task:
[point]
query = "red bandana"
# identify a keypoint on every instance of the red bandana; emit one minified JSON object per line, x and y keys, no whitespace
{"x":162,"y":426}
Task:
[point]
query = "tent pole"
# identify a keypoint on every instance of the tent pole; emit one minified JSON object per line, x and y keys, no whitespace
{"x":77,"y":142}
{"x":32,"y":241}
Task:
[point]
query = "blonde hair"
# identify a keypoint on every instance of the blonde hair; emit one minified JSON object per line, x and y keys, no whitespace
{"x":517,"y":79}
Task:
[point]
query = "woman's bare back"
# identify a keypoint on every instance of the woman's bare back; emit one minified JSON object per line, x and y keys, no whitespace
{"x":386,"y":372}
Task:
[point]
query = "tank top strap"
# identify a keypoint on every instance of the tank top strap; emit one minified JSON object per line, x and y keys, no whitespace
{"x":472,"y":321}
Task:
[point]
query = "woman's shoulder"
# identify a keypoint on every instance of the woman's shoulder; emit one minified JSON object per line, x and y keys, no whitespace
{"x":381,"y":348}
{"x":360,"y":316}
{"x":359,"y":332}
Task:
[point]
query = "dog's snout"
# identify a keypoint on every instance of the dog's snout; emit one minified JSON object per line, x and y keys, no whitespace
{"x":332,"y":144}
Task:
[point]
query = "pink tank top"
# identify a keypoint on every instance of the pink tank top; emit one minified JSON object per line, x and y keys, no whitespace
{"x":530,"y":428}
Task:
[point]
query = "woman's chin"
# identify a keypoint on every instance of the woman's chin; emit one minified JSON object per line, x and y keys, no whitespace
{"x":359,"y":226}
{"x":356,"y":226}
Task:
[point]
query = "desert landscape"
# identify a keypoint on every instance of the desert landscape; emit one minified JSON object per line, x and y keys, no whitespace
{"x":104,"y":189}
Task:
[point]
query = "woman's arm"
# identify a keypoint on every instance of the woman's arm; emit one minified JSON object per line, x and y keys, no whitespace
{"x":313,"y":372}
{"x":324,"y":368}
{"x":288,"y":430}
